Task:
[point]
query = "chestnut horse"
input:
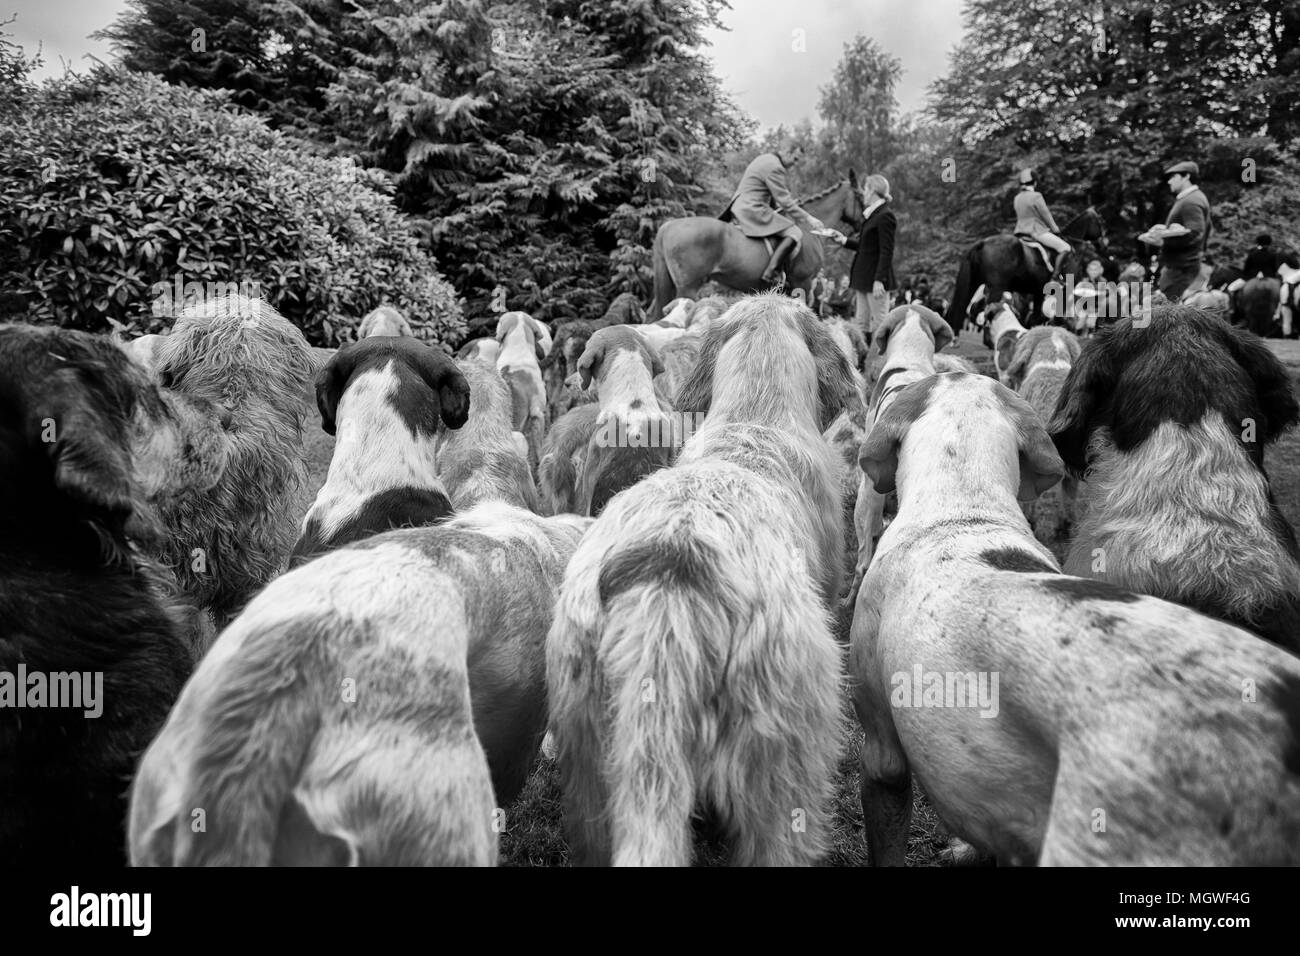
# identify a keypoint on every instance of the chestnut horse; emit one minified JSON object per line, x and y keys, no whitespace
{"x":691,"y":251}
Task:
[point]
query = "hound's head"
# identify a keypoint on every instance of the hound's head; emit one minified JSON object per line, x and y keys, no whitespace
{"x":483,"y":350}
{"x":760,"y":338}
{"x":1179,"y":365}
{"x":86,"y":432}
{"x":913,"y":326}
{"x":624,"y":310}
{"x":570,"y":340}
{"x":490,"y":403}
{"x":679,"y":313}
{"x":997,"y":319}
{"x":1040,"y":347}
{"x":520,"y":326}
{"x":709,"y":310}
{"x":241,"y":352}
{"x":418,"y":382}
{"x":965,"y":414}
{"x":384,"y":320}
{"x":609,"y":349}
{"x":144,"y":350}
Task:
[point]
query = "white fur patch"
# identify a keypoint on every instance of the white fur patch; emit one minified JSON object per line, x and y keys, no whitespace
{"x":373,"y":451}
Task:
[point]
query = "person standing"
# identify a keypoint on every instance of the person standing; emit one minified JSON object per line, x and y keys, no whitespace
{"x":764,"y":206}
{"x":872,"y":273}
{"x":1185,"y":234}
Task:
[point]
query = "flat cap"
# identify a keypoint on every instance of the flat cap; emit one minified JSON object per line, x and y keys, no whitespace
{"x":1186,"y":166}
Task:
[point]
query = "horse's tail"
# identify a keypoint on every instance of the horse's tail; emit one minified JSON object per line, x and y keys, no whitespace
{"x":968,"y":277}
{"x":665,"y":288}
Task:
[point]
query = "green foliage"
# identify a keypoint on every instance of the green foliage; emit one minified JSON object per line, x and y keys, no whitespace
{"x":275,"y":57}
{"x":114,"y":183}
{"x":543,"y":140}
{"x":1099,"y":99}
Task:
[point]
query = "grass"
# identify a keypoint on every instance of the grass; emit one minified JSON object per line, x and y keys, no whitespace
{"x":532,"y":834}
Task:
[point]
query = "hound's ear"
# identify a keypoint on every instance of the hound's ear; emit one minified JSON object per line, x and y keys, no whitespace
{"x":542,"y":338}
{"x":331,"y":381}
{"x":1040,"y":465}
{"x":1087,"y":388}
{"x":696,"y":393}
{"x":91,"y":458}
{"x":589,"y":363}
{"x":1272,"y":385}
{"x":941,"y":330}
{"x":656,"y":363}
{"x":878,"y":456}
{"x":444,"y":376}
{"x":888,"y":325}
{"x":1020,"y":356}
{"x":861,"y":346}
{"x":838,"y":385}
{"x":505,"y":324}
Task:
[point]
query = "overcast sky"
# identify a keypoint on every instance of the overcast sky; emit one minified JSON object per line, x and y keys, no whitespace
{"x":773,"y":57}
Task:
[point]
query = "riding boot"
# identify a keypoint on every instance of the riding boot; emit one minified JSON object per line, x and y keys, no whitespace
{"x":774,"y":264}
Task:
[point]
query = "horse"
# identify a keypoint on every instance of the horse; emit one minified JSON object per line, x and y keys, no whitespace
{"x":696,"y":249}
{"x":1002,"y":263}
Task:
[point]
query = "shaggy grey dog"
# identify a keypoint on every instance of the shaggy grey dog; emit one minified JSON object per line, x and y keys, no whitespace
{"x":564,"y":455}
{"x":479,"y":461}
{"x":225,"y":544}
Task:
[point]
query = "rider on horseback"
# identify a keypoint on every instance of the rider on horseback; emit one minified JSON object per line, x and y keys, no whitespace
{"x":1034,"y":220}
{"x":761,"y":200}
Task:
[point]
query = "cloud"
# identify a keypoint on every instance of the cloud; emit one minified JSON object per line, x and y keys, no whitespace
{"x":62,"y":29}
{"x":760,"y":65}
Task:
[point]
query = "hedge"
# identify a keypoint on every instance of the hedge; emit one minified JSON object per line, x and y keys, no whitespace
{"x":115,"y":186}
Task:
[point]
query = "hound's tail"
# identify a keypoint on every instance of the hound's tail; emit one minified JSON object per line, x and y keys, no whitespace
{"x":968,"y":277}
{"x":558,"y":479}
{"x":660,"y":669}
{"x":719,"y":694}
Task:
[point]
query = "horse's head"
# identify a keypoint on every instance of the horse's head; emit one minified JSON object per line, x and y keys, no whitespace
{"x":851,"y":211}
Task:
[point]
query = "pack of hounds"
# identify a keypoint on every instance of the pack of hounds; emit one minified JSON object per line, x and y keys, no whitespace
{"x":665,"y":559}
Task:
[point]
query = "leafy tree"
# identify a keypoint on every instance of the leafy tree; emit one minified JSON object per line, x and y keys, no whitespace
{"x":542,"y":140}
{"x":1100,"y":98}
{"x":859,"y":107}
{"x":116,"y":185}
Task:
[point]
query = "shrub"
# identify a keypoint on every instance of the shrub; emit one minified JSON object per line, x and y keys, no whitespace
{"x":115,"y":185}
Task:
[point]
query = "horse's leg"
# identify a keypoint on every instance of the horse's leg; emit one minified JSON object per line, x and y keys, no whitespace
{"x":665,"y":288}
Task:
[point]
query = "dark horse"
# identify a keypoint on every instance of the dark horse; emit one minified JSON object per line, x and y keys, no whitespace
{"x":696,"y":249}
{"x":1003,"y":263}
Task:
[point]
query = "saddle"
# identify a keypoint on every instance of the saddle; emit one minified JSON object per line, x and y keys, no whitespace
{"x":1034,"y":246}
